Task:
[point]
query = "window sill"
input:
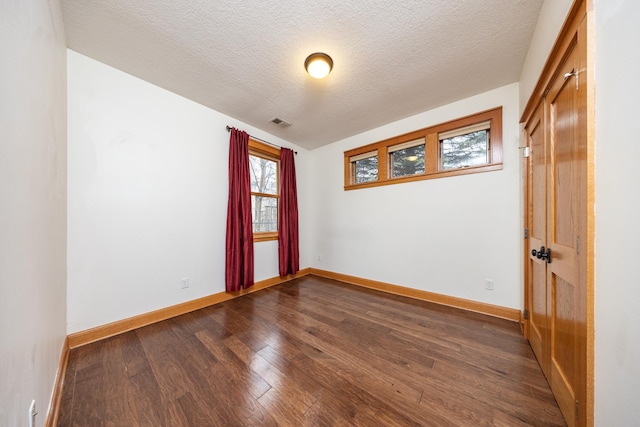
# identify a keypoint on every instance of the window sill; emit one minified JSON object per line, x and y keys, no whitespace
{"x":264,"y":237}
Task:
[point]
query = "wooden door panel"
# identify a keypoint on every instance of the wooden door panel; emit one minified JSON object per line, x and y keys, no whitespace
{"x":563,"y":346}
{"x":538,"y":315}
{"x":537,"y":207}
{"x":564,"y":337}
{"x":538,"y":178}
{"x":564,"y":191}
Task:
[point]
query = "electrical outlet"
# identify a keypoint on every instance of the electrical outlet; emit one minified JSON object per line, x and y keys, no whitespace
{"x":184,"y":284}
{"x":319,"y":258}
{"x":488,"y":284}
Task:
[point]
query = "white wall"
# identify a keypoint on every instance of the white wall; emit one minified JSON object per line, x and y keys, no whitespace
{"x":552,"y":15}
{"x":32,"y":205}
{"x":443,"y":235}
{"x":617,"y":286}
{"x":148,"y":197}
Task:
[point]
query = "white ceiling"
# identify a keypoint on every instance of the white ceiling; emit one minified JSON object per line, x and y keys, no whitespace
{"x":392,"y":59}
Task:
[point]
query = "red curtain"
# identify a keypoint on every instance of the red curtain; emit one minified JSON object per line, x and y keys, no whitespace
{"x":239,"y":249}
{"x":288,"y":249}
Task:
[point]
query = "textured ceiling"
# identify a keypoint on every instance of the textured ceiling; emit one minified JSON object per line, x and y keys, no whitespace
{"x":392,"y":59}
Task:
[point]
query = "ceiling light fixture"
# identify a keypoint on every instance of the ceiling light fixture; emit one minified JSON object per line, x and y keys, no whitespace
{"x":318,"y":65}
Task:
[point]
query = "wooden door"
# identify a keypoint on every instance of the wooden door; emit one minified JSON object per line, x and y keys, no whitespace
{"x":557,"y":217}
{"x":566,"y":227}
{"x":537,"y":213}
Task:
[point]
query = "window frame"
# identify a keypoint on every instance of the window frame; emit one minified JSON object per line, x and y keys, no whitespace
{"x":265,"y":151}
{"x":433,"y":159}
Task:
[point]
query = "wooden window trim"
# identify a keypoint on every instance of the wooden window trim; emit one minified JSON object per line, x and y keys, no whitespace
{"x":260,"y":149}
{"x":265,"y":236}
{"x":432,"y":152}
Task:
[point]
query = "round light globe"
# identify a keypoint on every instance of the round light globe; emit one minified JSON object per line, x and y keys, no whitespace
{"x":318,"y":65}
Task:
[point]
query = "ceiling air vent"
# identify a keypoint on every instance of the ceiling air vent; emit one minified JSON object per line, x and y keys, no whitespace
{"x":281,"y":123}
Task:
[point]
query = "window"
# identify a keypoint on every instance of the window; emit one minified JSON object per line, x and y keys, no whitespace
{"x":407,"y":159}
{"x":264,"y":166}
{"x":467,"y":145}
{"x":365,"y":167}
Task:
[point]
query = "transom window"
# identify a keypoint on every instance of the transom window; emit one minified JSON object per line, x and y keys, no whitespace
{"x":264,"y":166}
{"x":407,"y":159}
{"x":365,"y":167}
{"x":467,"y":145}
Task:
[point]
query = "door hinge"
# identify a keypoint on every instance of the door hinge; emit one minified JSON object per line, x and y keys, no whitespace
{"x":577,"y":410}
{"x":577,"y":245}
{"x":525,"y":314}
{"x":526,"y":233}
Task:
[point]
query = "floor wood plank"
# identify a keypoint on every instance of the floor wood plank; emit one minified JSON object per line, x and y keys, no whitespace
{"x":312,"y":352}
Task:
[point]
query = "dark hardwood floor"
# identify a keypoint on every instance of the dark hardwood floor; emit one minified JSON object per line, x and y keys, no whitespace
{"x":312,"y":352}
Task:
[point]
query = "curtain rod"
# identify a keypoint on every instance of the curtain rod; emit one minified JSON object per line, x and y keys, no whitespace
{"x":261,"y":140}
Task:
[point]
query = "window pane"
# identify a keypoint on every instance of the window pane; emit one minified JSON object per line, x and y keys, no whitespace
{"x":264,"y":213}
{"x":264,"y":176}
{"x":409,"y":161}
{"x":466,"y":150}
{"x":366,"y":170}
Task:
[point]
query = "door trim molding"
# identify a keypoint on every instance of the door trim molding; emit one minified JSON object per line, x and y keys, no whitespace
{"x":56,"y":395}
